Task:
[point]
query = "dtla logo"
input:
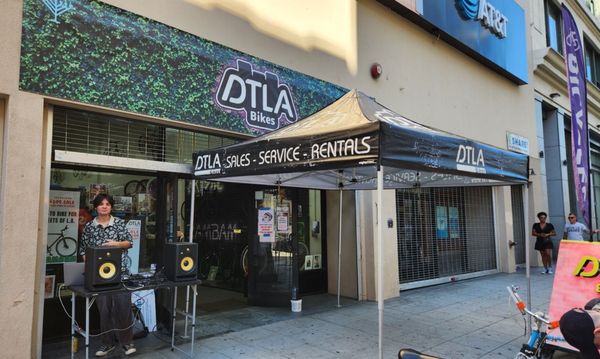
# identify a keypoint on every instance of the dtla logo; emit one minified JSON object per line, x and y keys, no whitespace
{"x":264,"y":100}
{"x":470,"y":159}
{"x":483,"y":11}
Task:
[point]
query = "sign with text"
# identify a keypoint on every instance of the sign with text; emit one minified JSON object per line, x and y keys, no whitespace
{"x":63,"y":222}
{"x":491,"y":29}
{"x":134,"y":227}
{"x":576,"y":83}
{"x":517,"y":143}
{"x":283,"y":154}
{"x":576,"y":280}
{"x":147,"y":67}
{"x":266,"y":222}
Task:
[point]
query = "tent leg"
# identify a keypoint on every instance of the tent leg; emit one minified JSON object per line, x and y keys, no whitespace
{"x":191,"y":239}
{"x":380,"y":257}
{"x":527,"y":250}
{"x":339,"y":268}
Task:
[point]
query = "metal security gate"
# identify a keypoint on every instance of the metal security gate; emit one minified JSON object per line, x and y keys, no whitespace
{"x":516,"y":197}
{"x":444,"y":232}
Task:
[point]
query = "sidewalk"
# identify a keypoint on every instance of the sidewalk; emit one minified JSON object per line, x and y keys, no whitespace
{"x":465,"y":319}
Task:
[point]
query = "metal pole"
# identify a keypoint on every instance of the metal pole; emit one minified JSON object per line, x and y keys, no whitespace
{"x":174,"y":317}
{"x":380,"y":257}
{"x":73,"y":339}
{"x":527,"y":249}
{"x":87,"y":327}
{"x":191,"y":240}
{"x":192,"y":205}
{"x":339,"y":268}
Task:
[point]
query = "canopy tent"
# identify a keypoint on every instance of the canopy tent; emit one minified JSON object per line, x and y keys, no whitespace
{"x":356,"y":143}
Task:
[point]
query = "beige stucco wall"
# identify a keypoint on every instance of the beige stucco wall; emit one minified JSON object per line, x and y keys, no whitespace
{"x":19,"y":197}
{"x":423,"y":78}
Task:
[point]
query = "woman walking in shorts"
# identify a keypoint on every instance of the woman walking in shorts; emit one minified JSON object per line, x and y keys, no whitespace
{"x":543,"y":231}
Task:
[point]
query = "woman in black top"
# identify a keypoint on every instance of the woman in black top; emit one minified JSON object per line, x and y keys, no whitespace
{"x":543,"y":231}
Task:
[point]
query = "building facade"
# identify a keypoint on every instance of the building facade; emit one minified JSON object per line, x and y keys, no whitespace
{"x":553,"y":114}
{"x":114,"y":96}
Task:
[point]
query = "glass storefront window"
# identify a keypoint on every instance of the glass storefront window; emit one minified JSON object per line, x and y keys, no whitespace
{"x":314,"y":233}
{"x":135,"y":199}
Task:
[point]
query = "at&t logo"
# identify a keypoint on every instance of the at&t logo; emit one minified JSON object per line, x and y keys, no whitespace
{"x":483,"y":11}
{"x":263,"y":99}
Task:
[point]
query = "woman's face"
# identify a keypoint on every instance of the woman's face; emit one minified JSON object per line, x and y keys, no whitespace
{"x":104,"y":208}
{"x":542,"y":218}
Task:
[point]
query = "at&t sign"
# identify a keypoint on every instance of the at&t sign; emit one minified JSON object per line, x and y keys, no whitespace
{"x":483,"y":11}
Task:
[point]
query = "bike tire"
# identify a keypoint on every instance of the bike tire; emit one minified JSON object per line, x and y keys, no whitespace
{"x":244,"y":261}
{"x":522,"y":356}
{"x":66,"y":246}
{"x":133,"y":187}
{"x":546,"y":353}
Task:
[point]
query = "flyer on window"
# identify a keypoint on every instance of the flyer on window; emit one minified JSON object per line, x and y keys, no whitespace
{"x":266,"y":222}
{"x":63,"y":222}
{"x":441,"y":220}
{"x":134,"y":227}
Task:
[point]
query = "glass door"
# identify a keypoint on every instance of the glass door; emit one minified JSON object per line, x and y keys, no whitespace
{"x":273,"y":251}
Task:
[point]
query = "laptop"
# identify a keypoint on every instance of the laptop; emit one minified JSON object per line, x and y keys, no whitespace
{"x":74,"y":273}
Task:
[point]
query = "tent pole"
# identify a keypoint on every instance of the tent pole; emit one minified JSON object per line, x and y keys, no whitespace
{"x":191,"y":240}
{"x":339,"y":268}
{"x":527,"y":250}
{"x":192,"y":204}
{"x":380,"y":257}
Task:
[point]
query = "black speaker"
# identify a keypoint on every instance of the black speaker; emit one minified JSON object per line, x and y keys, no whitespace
{"x":181,"y":261}
{"x":103,"y":268}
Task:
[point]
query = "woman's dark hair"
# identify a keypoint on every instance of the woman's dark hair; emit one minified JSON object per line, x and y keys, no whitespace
{"x":101,"y":197}
{"x":542,"y":214}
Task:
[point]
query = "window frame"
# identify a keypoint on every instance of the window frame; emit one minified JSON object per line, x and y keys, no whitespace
{"x":551,"y":8}
{"x":591,"y":54}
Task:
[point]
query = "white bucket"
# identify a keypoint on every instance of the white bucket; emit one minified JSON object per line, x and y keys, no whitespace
{"x":296,"y":305}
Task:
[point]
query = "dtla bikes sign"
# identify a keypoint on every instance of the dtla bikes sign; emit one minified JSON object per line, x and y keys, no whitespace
{"x":265,"y":102}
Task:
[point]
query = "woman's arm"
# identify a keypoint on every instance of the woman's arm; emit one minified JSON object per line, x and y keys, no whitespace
{"x":120,"y":244}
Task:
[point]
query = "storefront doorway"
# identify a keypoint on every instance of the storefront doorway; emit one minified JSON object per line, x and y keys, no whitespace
{"x":247,"y":236}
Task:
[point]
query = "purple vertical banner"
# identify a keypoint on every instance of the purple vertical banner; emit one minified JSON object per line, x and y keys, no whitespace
{"x":579,"y":123}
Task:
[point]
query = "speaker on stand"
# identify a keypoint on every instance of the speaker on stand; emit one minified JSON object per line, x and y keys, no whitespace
{"x":103,"y":268}
{"x":181,"y":261}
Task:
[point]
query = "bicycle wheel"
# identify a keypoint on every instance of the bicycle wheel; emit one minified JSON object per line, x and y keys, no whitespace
{"x":521,"y":355}
{"x":133,"y":187}
{"x":546,"y":353}
{"x":244,"y":261}
{"x":66,"y":246}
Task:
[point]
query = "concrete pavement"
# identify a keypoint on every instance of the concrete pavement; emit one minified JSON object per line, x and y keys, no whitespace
{"x":465,"y":319}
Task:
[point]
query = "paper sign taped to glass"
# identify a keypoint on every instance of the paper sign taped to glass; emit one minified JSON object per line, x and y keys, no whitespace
{"x":266,"y":222}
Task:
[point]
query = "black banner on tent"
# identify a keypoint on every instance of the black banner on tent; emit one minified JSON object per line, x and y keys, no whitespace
{"x":289,"y":154}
